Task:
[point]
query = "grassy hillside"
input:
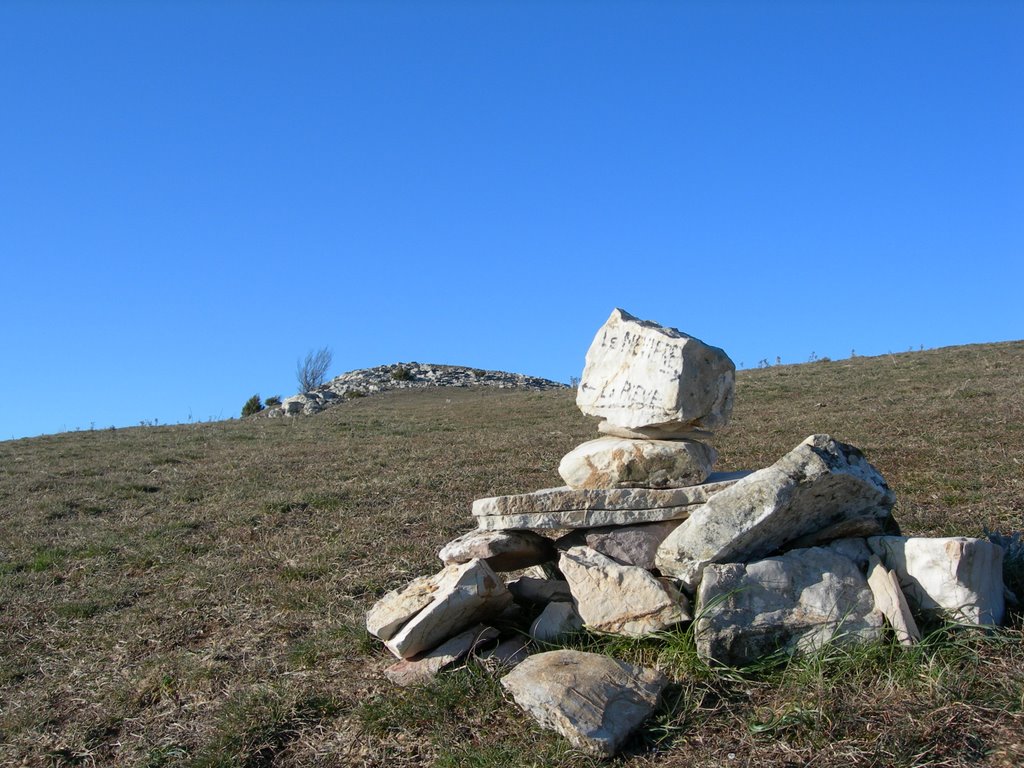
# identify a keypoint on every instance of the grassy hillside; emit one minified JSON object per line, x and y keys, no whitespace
{"x":194,"y":595}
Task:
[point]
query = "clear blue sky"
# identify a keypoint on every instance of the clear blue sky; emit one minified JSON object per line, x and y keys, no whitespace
{"x":194,"y":194}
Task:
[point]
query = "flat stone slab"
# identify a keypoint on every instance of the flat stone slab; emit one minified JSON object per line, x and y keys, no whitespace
{"x":566,"y":499}
{"x":620,"y":599}
{"x":555,"y":622}
{"x":582,"y":518}
{"x":437,"y":607}
{"x":820,"y":483}
{"x":959,"y":578}
{"x":503,"y":550}
{"x":618,"y":462}
{"x":798,"y":601}
{"x":425,"y":667}
{"x":639,"y":374}
{"x":891,"y":601}
{"x":594,"y":701}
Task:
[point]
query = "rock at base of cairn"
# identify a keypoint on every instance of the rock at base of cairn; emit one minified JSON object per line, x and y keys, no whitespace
{"x":818,"y":484}
{"x":891,"y":601}
{"x":555,"y":622}
{"x":626,"y":544}
{"x":425,"y":667}
{"x":958,"y":578}
{"x":614,"y":462}
{"x":618,"y":598}
{"x":640,"y":375}
{"x":798,"y":601}
{"x":430,"y":609}
{"x":594,"y":701}
{"x":502,"y":550}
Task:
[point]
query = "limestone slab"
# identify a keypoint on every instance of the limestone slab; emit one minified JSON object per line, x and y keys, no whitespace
{"x":555,"y":622}
{"x":616,"y":462}
{"x":594,"y":701}
{"x":959,"y":577}
{"x":639,"y":374}
{"x":797,"y":601}
{"x":818,"y":484}
{"x":621,"y":599}
{"x":393,"y":610}
{"x":891,"y":601}
{"x":425,"y":667}
{"x":503,"y":550}
{"x":625,"y":544}
{"x":582,"y":518}
{"x":532,"y":589}
{"x":472,"y":592}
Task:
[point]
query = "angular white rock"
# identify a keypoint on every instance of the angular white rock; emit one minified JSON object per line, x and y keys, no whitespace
{"x":569,"y":499}
{"x":462,"y":596}
{"x":503,"y":550}
{"x":592,"y":700}
{"x":555,"y":622}
{"x":626,"y":544}
{"x":393,"y":610}
{"x":582,"y":518}
{"x":818,"y":484}
{"x":532,"y":589}
{"x":890,"y":600}
{"x":616,"y":462}
{"x":621,"y":599}
{"x":959,"y":576}
{"x":794,"y":602}
{"x":640,"y":375}
{"x":425,"y":667}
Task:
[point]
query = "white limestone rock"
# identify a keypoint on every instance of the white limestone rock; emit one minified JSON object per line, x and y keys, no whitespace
{"x":959,"y":577}
{"x":643,"y":376}
{"x":425,"y":667}
{"x":594,"y":701}
{"x":621,"y":599}
{"x":569,"y":499}
{"x":555,"y":622}
{"x":626,"y":544}
{"x":503,"y":550}
{"x":615,"y":462}
{"x":794,"y":602}
{"x":437,"y":607}
{"x":818,"y":484}
{"x":581,"y":518}
{"x":890,"y":600}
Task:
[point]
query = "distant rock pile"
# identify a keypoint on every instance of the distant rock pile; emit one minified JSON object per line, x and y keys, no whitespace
{"x":384,"y":378}
{"x":645,"y":537}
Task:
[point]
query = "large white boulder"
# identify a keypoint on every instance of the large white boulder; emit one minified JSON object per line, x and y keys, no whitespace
{"x":655,"y":381}
{"x":798,"y":601}
{"x":593,"y":700}
{"x":621,"y":599}
{"x":818,"y":484}
{"x":617,"y":462}
{"x":959,"y":577}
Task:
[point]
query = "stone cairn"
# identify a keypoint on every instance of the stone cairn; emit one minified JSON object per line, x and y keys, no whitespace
{"x":645,"y":537}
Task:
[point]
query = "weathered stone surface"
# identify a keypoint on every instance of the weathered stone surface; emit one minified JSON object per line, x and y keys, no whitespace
{"x":669,"y":432}
{"x":568,"y":499}
{"x":592,"y":700}
{"x":462,"y":595}
{"x":795,"y":602}
{"x":626,"y":544}
{"x":639,"y":374}
{"x":503,"y":550}
{"x":960,"y":577}
{"x":555,"y":622}
{"x":393,"y":610}
{"x":854,"y":528}
{"x":818,"y":484}
{"x":425,"y":667}
{"x":621,"y":599}
{"x":582,"y":518}
{"x":616,"y":462}
{"x":507,"y":654}
{"x":532,"y":589}
{"x":890,"y":600}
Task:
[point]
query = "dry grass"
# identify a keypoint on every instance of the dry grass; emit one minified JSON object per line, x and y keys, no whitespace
{"x":194,"y":595}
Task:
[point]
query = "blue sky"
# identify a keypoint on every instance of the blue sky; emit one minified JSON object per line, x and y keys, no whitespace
{"x":195,"y":194}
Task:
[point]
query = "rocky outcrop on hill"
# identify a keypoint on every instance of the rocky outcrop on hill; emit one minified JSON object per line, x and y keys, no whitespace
{"x":384,"y":378}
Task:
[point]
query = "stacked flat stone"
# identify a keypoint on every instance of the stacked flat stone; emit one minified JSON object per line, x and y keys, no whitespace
{"x":791,"y":557}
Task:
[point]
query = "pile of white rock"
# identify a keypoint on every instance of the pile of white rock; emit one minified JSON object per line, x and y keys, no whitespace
{"x":645,"y":537}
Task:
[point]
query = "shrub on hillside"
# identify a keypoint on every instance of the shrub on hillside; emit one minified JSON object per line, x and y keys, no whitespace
{"x":312,"y":371}
{"x":273,"y":400}
{"x":252,"y":405}
{"x":401,"y":374}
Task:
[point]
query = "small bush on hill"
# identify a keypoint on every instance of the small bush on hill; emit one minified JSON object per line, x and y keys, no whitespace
{"x":273,"y":400}
{"x":401,"y":374}
{"x":252,"y":405}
